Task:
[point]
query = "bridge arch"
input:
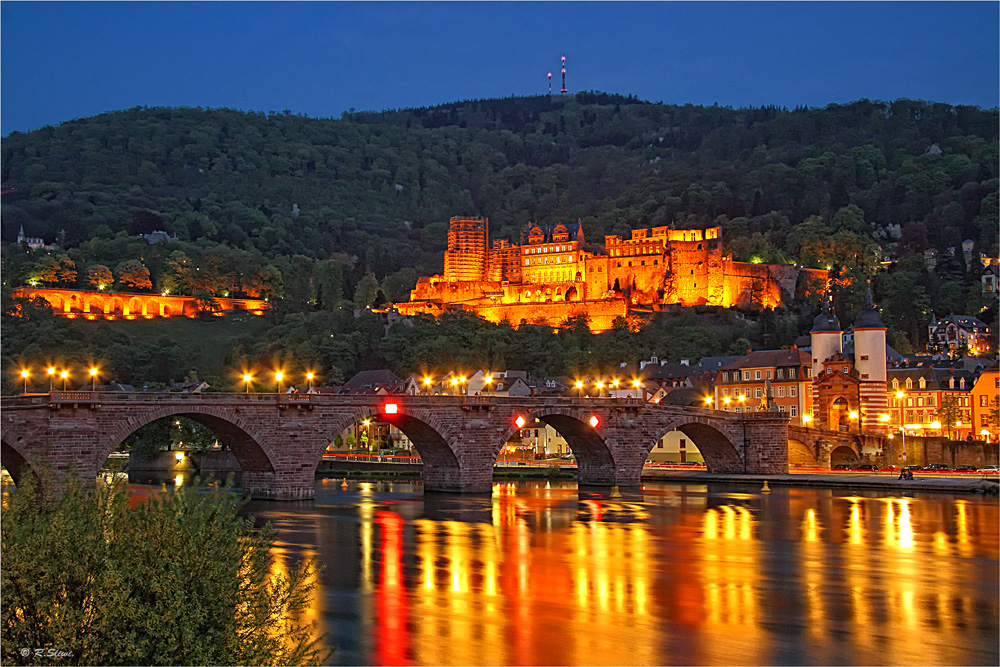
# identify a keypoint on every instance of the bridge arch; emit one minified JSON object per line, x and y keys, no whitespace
{"x":843,"y":454}
{"x":721,"y":454}
{"x":595,"y":460}
{"x":442,"y":467}
{"x":255,"y":461}
{"x":13,"y":458}
{"x":799,"y":453}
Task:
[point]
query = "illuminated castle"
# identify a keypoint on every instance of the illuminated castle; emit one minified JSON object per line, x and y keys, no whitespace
{"x":554,"y":274}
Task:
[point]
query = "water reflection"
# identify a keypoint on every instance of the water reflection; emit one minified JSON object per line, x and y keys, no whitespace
{"x":683,"y":574}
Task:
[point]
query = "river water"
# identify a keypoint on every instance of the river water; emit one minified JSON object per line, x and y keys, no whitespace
{"x":675,"y":574}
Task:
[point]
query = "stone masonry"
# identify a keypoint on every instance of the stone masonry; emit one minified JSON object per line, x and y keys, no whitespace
{"x":279,"y":439}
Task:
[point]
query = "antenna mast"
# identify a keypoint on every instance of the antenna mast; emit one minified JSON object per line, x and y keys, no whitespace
{"x":550,"y":84}
{"x":564,"y":74}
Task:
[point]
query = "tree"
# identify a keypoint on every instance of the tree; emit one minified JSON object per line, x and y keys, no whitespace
{"x":948,"y":413}
{"x":205,"y":302}
{"x":132,"y":272}
{"x":46,"y":270}
{"x":178,"y":579}
{"x":67,"y":270}
{"x":366,"y":291}
{"x":99,"y":276}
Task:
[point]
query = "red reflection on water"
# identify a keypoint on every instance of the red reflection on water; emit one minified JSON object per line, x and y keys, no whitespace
{"x":390,"y":596}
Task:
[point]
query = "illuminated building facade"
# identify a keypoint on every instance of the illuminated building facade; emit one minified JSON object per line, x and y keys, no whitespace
{"x":92,"y":305}
{"x":554,"y":274}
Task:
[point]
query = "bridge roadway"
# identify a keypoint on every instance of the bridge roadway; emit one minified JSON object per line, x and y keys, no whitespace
{"x":279,"y":439}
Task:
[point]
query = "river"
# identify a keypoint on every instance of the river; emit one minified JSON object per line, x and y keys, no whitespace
{"x":674,"y":574}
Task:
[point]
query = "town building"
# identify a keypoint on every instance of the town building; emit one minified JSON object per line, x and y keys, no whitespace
{"x":554,"y":274}
{"x":985,"y":396}
{"x":742,"y":385}
{"x":952,"y":334}
{"x":924,"y":399}
{"x":33,"y":242}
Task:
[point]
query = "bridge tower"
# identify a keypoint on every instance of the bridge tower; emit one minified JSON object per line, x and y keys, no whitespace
{"x":827,"y":338}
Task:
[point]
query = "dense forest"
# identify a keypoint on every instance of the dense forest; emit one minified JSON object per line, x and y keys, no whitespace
{"x":327,"y":214}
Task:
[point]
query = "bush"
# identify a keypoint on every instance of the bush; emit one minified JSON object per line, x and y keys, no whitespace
{"x":178,"y":579}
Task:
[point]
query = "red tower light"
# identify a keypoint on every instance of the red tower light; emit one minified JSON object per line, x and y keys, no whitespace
{"x":519,"y":422}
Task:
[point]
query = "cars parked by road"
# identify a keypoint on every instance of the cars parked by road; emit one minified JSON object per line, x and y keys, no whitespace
{"x":990,"y":469}
{"x":936,"y":466}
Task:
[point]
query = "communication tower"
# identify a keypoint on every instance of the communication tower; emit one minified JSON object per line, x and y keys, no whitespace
{"x":550,"y":83}
{"x":564,"y":74}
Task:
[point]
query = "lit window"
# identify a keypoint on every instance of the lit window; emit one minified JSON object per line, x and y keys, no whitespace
{"x":793,"y":392}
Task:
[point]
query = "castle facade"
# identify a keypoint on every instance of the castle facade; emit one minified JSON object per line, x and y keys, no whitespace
{"x":554,"y":274}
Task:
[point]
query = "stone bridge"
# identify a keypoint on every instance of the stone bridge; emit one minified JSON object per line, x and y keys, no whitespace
{"x":820,"y":447}
{"x":279,"y":439}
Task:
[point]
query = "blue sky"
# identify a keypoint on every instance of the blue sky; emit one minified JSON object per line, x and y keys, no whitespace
{"x":64,"y":60}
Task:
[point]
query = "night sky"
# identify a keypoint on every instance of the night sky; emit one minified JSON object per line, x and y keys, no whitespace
{"x":64,"y":60}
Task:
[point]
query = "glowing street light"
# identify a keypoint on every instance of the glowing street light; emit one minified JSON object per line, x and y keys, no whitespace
{"x":709,"y":401}
{"x":93,"y":379}
{"x":427,"y":384}
{"x":309,"y":378}
{"x":488,"y":381}
{"x":24,"y":376}
{"x":65,"y":376}
{"x":278,"y":375}
{"x":52,"y":373}
{"x":806,"y":419}
{"x":247,"y":379}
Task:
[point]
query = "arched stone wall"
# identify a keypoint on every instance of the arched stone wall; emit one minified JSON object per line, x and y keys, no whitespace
{"x":800,"y":454}
{"x":231,"y":429}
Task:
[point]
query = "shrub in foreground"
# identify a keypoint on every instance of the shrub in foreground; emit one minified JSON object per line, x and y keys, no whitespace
{"x":179,"y":579}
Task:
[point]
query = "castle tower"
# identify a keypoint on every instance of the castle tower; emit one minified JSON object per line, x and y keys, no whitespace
{"x":826,"y":340}
{"x":870,"y":362}
{"x":465,"y":258}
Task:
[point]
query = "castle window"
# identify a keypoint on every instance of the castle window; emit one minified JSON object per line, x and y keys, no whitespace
{"x":655,"y":262}
{"x":619,"y":265}
{"x":630,"y":263}
{"x":692,"y":272}
{"x":643,"y":263}
{"x":600,"y":269}
{"x":699,"y":246}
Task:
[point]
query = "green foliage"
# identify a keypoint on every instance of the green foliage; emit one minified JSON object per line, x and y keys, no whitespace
{"x":132,"y":273}
{"x":98,"y":275}
{"x":178,"y":579}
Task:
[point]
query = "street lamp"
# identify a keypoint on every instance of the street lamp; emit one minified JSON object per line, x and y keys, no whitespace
{"x":309,"y":378}
{"x":427,"y":385}
{"x":579,"y":387}
{"x":93,"y":379}
{"x":488,"y":380}
{"x":52,"y":373}
{"x":247,"y":378}
{"x":24,"y":376}
{"x":64,"y":375}
{"x":708,"y":401}
{"x":806,"y":419}
{"x":278,"y":375}
{"x":884,"y":418}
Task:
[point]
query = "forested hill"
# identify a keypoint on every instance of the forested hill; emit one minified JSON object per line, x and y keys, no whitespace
{"x":381,"y":186}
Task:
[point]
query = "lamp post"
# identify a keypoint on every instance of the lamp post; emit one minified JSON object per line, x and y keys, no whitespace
{"x":52,"y":373}
{"x":708,"y":401}
{"x":427,"y":385}
{"x":309,"y":378}
{"x":278,"y":375}
{"x":884,"y":418}
{"x":247,"y":379}
{"x":579,"y":387}
{"x":638,"y":383}
{"x":65,"y":376}
{"x":24,"y":376}
{"x":93,"y":379}
{"x":854,"y":417}
{"x":488,"y":381}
